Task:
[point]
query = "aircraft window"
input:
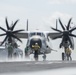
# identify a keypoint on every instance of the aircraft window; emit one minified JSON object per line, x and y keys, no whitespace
{"x":43,"y":35}
{"x":32,"y":34}
{"x":39,"y":34}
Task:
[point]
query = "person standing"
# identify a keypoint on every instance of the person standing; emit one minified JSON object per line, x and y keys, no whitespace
{"x":68,"y":53}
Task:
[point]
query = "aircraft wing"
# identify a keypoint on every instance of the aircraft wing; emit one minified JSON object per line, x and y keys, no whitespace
{"x":54,"y":35}
{"x":22,"y":35}
{"x":51,"y":35}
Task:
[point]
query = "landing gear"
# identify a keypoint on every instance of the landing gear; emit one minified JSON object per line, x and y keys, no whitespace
{"x":44,"y":57}
{"x":36,"y":55}
{"x":63,"y":56}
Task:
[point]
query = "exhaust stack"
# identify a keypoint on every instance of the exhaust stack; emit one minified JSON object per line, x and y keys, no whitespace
{"x":27,"y":26}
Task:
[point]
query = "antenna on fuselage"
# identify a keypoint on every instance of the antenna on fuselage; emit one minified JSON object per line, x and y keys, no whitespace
{"x":27,"y":26}
{"x":56,"y":24}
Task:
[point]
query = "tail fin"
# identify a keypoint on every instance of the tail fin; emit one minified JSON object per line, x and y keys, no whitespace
{"x":27,"y":26}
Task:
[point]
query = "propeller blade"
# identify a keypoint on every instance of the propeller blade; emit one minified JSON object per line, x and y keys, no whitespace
{"x":56,"y":30}
{"x":17,"y":31}
{"x":16,"y":37}
{"x":3,"y":29}
{"x":72,"y":29}
{"x":72,"y":35}
{"x":14,"y":24}
{"x":7,"y":24}
{"x":61,"y":24}
{"x":2,"y":34}
{"x":69,"y":24}
{"x":4,"y":40}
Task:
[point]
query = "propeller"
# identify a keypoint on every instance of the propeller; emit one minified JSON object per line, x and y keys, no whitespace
{"x":66,"y":33}
{"x":10,"y":33}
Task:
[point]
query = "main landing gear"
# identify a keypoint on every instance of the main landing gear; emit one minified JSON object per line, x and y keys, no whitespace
{"x":44,"y":57}
{"x":63,"y":56}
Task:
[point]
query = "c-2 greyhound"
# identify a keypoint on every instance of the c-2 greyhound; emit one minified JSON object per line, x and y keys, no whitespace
{"x":37,"y":42}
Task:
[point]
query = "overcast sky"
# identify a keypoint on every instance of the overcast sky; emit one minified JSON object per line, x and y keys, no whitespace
{"x":41,"y":13}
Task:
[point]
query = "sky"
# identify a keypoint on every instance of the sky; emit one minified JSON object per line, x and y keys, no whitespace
{"x":41,"y":14}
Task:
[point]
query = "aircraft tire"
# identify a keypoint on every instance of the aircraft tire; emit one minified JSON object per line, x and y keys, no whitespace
{"x":63,"y":56}
{"x":44,"y":57}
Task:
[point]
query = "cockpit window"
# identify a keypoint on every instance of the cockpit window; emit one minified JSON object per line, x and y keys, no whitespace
{"x":31,"y":34}
{"x":43,"y":35}
{"x":39,"y":34}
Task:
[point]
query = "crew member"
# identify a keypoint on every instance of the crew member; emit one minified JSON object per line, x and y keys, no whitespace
{"x":68,"y":53}
{"x":26,"y":51}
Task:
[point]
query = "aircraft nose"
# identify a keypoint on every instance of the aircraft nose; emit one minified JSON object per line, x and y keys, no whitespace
{"x":35,"y":43}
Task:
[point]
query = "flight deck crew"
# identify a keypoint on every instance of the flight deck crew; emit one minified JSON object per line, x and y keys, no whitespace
{"x":68,"y":53}
{"x":26,"y":51}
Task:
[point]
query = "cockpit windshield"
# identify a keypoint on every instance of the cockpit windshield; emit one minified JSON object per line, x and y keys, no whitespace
{"x":31,"y":34}
{"x":39,"y":34}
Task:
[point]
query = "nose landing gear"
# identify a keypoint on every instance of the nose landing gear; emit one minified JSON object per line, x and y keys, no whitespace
{"x":44,"y":57}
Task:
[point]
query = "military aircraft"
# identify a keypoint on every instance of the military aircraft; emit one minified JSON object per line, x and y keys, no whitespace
{"x":37,"y":42}
{"x":66,"y":35}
